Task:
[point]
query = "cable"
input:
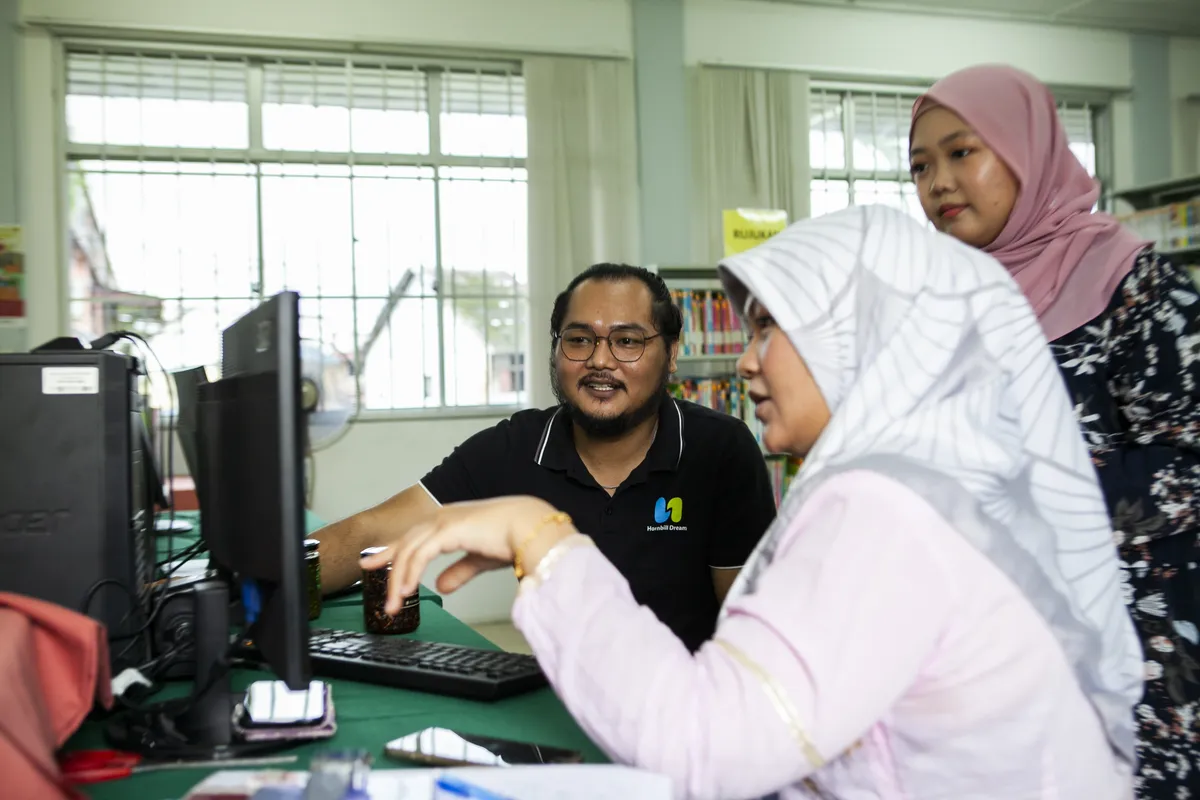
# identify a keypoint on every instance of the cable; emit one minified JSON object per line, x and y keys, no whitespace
{"x":160,"y":662}
{"x":134,"y":600}
{"x":137,"y":338}
{"x":135,"y":606}
{"x":166,"y":457}
{"x":188,"y":552}
{"x":140,"y":341}
{"x":111,"y":338}
{"x":100,"y":584}
{"x":166,"y":448}
{"x":181,"y":558}
{"x":219,"y":670}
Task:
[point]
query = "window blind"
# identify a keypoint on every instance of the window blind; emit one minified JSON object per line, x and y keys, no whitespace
{"x":173,"y":77}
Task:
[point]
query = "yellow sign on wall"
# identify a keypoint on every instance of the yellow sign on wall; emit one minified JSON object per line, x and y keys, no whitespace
{"x":750,"y":227}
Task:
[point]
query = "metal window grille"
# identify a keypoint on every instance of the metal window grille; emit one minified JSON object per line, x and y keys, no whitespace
{"x":858,"y":147}
{"x":391,"y":195}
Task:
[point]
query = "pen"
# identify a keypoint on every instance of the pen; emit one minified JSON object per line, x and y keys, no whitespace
{"x":460,"y":788}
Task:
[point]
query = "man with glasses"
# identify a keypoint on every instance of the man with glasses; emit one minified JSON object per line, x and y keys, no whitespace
{"x":674,"y":494}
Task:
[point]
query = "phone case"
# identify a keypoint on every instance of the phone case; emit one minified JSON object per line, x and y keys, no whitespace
{"x":324,"y":729}
{"x":431,"y":760}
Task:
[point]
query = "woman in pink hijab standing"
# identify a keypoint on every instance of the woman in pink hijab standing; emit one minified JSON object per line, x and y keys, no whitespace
{"x":993,"y":169}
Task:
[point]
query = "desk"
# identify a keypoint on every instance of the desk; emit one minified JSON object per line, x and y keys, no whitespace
{"x":368,"y":716}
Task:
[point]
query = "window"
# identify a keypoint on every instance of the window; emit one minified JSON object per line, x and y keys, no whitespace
{"x":392,"y":196}
{"x":858,"y":147}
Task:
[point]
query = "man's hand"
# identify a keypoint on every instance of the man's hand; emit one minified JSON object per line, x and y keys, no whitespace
{"x":488,"y":532}
{"x":342,"y":541}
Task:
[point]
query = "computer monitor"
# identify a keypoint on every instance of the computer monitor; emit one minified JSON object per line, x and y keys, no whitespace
{"x":251,"y":451}
{"x":187,"y":393}
{"x":247,"y":442}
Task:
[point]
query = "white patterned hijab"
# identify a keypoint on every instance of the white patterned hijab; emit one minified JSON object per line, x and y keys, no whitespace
{"x":938,"y":375}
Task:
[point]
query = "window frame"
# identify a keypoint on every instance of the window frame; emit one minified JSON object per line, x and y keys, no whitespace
{"x":1098,"y":102}
{"x":846,"y":90}
{"x":255,"y":153}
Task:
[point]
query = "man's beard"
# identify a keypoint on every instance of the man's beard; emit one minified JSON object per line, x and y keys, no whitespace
{"x":612,"y":427}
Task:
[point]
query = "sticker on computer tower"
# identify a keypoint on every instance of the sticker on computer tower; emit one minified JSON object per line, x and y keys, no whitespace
{"x":70,"y":380}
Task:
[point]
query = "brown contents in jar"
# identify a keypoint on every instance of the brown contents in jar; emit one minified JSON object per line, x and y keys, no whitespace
{"x":312,"y":568}
{"x":375,"y":619}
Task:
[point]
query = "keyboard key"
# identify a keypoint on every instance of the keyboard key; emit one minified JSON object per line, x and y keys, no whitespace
{"x":434,"y":667}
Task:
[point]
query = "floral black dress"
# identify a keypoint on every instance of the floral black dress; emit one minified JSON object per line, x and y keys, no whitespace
{"x":1133,"y":374}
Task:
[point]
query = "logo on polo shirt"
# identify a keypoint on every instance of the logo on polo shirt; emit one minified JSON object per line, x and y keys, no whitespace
{"x":665,"y":510}
{"x":672,"y":510}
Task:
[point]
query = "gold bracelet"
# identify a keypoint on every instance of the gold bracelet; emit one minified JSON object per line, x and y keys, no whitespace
{"x":558,"y":518}
{"x":546,"y":565}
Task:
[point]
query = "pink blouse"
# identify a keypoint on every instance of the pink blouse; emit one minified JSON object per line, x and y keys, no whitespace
{"x":880,"y":657}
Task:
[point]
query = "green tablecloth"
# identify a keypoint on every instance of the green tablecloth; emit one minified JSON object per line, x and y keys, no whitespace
{"x":369,"y":716}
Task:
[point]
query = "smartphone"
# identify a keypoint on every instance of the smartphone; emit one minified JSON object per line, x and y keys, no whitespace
{"x":446,"y":748}
{"x":273,"y":704}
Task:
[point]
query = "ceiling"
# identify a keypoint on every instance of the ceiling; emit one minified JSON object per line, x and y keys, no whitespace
{"x":1177,"y":17}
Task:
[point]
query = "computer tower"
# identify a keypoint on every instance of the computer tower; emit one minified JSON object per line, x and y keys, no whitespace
{"x":75,"y":507}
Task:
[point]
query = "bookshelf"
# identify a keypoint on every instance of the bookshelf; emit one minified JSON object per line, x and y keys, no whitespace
{"x":1168,"y":214}
{"x":710,"y":344}
{"x":1161,"y":193}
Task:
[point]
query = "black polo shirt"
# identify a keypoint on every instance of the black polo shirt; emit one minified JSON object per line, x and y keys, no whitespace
{"x":700,"y":499}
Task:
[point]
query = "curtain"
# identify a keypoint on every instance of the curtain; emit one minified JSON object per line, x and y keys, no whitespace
{"x":583,"y":184}
{"x":749,"y":148}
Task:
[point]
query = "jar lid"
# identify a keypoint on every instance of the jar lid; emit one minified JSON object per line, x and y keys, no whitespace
{"x":370,"y":551}
{"x":310,"y":545}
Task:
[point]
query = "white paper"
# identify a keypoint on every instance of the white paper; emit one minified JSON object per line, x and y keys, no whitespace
{"x":70,"y":380}
{"x":543,"y":782}
{"x":388,"y":784}
{"x":401,"y":784}
{"x":573,"y":781}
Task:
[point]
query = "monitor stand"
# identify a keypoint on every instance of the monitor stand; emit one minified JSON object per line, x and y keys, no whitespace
{"x":209,"y":721}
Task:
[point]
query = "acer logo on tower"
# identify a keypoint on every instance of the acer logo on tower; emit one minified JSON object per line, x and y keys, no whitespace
{"x":32,"y":523}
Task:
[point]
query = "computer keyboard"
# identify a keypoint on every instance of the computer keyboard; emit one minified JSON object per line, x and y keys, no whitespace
{"x":422,"y":666}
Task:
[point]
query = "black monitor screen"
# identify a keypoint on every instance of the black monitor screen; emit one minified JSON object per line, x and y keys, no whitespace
{"x":251,"y":477}
{"x":187,"y":390}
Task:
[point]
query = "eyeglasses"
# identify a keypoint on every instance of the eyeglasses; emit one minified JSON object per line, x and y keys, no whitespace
{"x":626,"y":346}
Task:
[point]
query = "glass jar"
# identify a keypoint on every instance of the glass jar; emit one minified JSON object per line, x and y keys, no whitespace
{"x":312,"y":576}
{"x":375,"y":619}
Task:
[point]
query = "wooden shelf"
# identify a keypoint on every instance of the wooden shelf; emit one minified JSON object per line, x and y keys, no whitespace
{"x":684,"y":273}
{"x":1160,"y":193}
{"x":713,"y":357}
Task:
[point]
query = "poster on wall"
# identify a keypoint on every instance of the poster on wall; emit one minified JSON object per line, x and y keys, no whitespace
{"x":749,"y":227}
{"x":12,"y":277}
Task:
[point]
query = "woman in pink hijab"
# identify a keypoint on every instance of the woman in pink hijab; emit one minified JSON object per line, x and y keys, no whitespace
{"x":993,"y":169}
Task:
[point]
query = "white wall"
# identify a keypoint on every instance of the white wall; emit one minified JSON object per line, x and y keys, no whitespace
{"x":870,"y":43}
{"x":1122,"y":133}
{"x":377,"y":459}
{"x":1184,"y":58}
{"x":581,"y":27}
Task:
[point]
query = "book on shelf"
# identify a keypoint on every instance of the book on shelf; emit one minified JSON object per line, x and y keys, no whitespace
{"x":728,"y":395}
{"x":781,"y":470}
{"x":711,"y":325}
{"x":1172,"y":228}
